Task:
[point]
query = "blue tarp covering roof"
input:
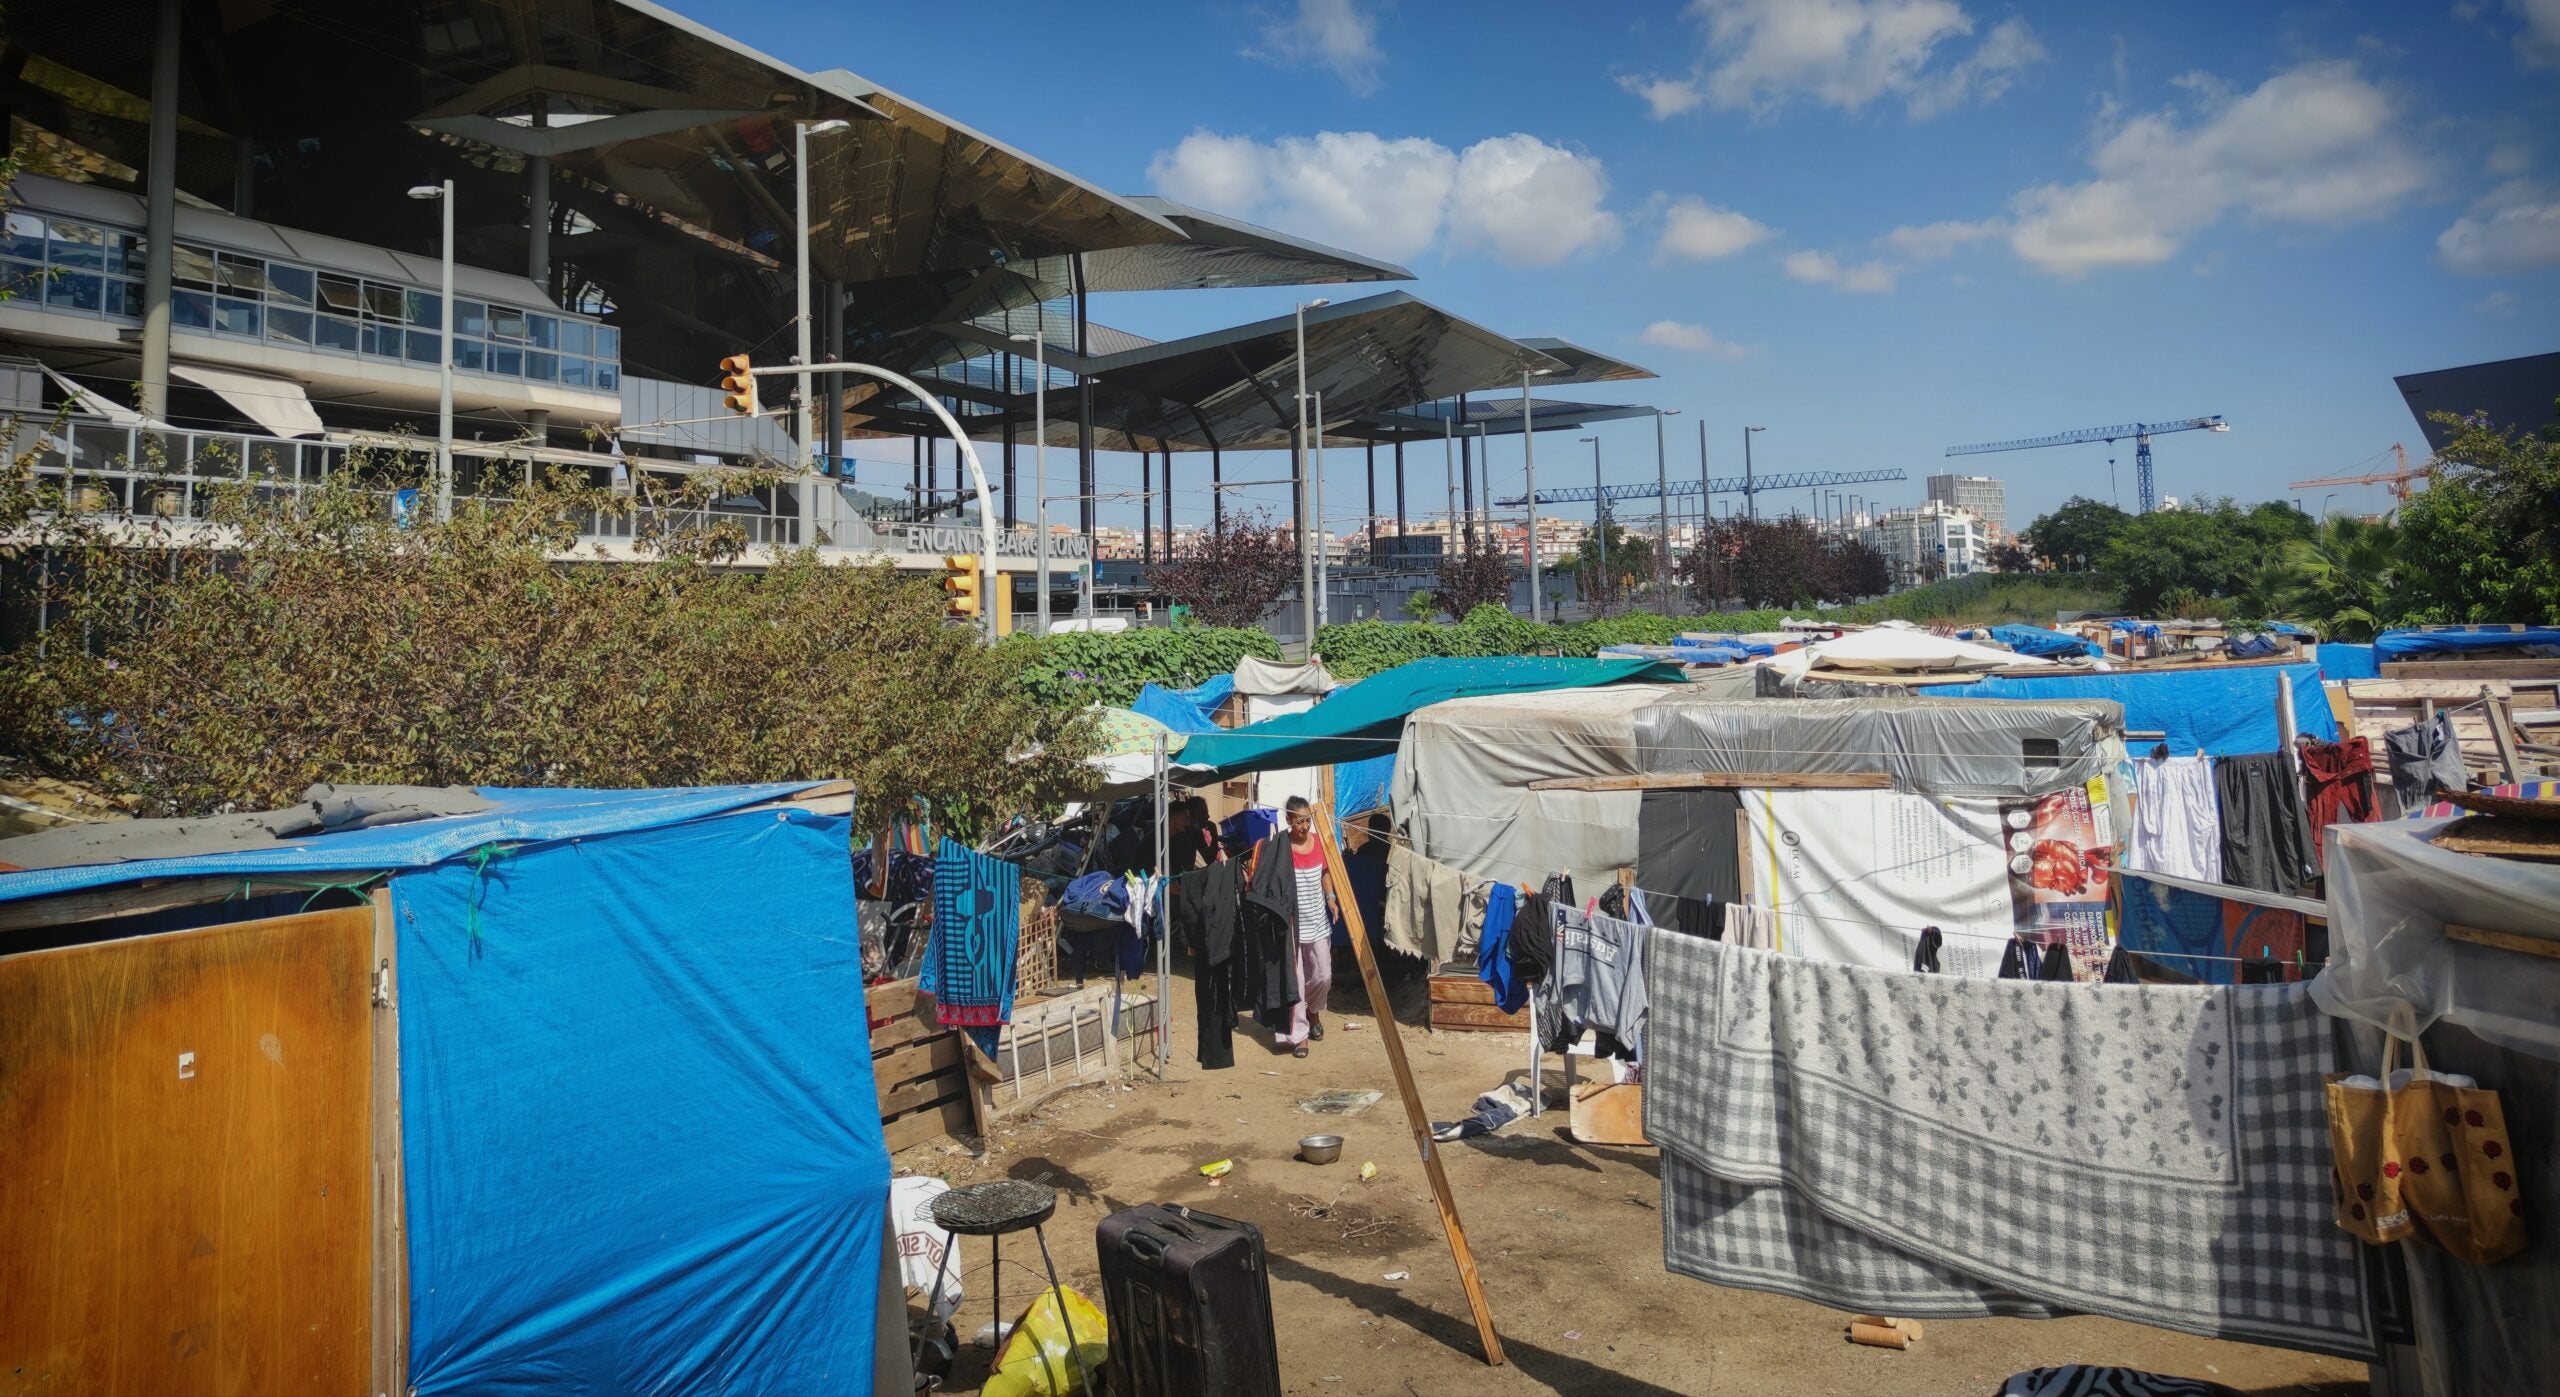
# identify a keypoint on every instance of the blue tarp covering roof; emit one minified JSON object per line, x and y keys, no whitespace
{"x":1174,"y":708}
{"x":2036,"y":640}
{"x":2348,"y":661}
{"x":641,"y":1137}
{"x":1362,"y":786}
{"x":2413,"y":645}
{"x":516,"y":816}
{"x":1363,"y":720}
{"x":2223,"y":712}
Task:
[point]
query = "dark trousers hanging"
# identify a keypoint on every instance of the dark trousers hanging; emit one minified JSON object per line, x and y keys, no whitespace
{"x":1214,"y":999}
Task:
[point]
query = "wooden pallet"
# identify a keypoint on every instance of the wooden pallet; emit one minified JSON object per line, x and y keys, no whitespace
{"x":1465,"y":1003}
{"x":919,"y":1069}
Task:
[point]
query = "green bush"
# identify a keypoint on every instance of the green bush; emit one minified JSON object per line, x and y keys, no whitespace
{"x":1075,"y":668}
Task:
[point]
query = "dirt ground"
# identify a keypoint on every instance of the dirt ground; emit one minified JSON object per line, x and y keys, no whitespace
{"x":1568,"y":1239}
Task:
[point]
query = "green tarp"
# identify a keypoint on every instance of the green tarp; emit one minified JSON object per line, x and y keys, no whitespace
{"x":1365,"y":719}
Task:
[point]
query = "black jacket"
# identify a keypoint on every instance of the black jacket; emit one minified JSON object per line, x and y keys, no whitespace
{"x":1267,"y":922}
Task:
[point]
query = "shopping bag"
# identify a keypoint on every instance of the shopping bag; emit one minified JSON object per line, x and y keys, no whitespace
{"x":1038,"y":1358}
{"x":2427,"y":1156}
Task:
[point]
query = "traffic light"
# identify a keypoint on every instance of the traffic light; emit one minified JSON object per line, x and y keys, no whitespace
{"x":737,"y":379}
{"x":960,"y":580}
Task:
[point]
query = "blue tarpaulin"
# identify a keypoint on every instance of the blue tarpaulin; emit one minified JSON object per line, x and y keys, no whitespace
{"x":2418,"y":645}
{"x":2348,"y":661}
{"x":1360,"y":787}
{"x":1213,"y":695}
{"x":2036,"y":640}
{"x":642,"y":1143}
{"x":1173,"y":708}
{"x":2223,"y":712}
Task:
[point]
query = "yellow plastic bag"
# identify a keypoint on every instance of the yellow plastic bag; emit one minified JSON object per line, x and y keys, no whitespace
{"x":1037,"y":1362}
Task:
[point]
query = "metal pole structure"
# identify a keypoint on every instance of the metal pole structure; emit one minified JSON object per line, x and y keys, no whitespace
{"x":1662,"y":509}
{"x":1298,"y":469}
{"x":443,"y":194}
{"x":1371,"y":452}
{"x":1163,"y":904}
{"x":1529,"y":462}
{"x":1484,"y":483}
{"x":1324,"y":539}
{"x":160,"y":215}
{"x":1750,"y":493}
{"x":1040,"y":470}
{"x":1449,"y":470}
{"x":1400,"y":495}
{"x":1599,"y":517}
{"x":800,"y":287}
{"x":1706,"y":519}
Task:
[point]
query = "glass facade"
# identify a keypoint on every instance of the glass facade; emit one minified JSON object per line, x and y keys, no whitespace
{"x":88,"y":269}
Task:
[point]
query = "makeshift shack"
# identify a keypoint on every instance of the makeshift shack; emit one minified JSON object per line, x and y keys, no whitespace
{"x":566,"y":1089}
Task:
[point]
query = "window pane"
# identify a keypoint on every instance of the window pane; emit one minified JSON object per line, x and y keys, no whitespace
{"x":608,"y":343}
{"x":470,"y":354}
{"x":425,"y":345}
{"x":78,"y":245}
{"x":576,"y":373}
{"x":232,"y":317}
{"x":78,"y":291}
{"x":470,"y":318}
{"x":426,"y":309}
{"x":343,"y":294}
{"x":608,"y":377}
{"x":21,"y":282}
{"x":546,"y":331}
{"x":193,"y":266}
{"x":383,"y":340}
{"x":241,"y":276}
{"x":506,"y":324}
{"x":192,"y":309}
{"x":124,"y":253}
{"x":506,"y":360}
{"x":24,"y":238}
{"x":124,"y":298}
{"x":334,"y":333}
{"x":577,"y":337}
{"x":290,"y":285}
{"x":290,"y":326}
{"x":542,"y":366}
{"x":384,"y":302}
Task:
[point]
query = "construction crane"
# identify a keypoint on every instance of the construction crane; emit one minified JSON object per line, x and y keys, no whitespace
{"x":2400,"y":480}
{"x":2141,"y":432}
{"x":1725,"y":485}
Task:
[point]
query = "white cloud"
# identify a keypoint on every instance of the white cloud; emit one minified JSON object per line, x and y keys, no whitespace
{"x":1823,"y":269}
{"x":1690,"y":339}
{"x":1530,"y":203}
{"x":1930,"y":242}
{"x":2510,"y":158}
{"x":1848,"y":53}
{"x":2498,"y":302}
{"x":2539,"y":41}
{"x":1335,"y":33}
{"x":2317,"y":145}
{"x":2515,"y":229}
{"x":1697,"y":231}
{"x":1668,"y":97}
{"x":1523,"y":200}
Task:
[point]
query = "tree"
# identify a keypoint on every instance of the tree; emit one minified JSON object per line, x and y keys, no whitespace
{"x":1233,"y":573}
{"x":1630,"y":559}
{"x":2009,"y":557}
{"x":1856,"y":572}
{"x":2076,"y":535}
{"x":1420,"y":606}
{"x":1477,"y":574}
{"x":2341,"y":579}
{"x":2211,"y":550}
{"x":1777,"y":562}
{"x":2482,"y":541}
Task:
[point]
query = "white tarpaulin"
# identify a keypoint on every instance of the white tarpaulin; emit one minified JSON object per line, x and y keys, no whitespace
{"x":277,"y":404}
{"x":1899,"y":649}
{"x":1257,"y":676}
{"x":1464,"y":768}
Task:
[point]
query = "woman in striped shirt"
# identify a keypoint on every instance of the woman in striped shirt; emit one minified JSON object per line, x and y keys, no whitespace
{"x":1313,"y":923}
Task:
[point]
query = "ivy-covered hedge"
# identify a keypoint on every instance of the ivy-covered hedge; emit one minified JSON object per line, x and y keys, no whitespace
{"x":1076,"y":668}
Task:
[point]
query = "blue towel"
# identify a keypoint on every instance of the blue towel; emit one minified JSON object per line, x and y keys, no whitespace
{"x":977,"y":933}
{"x":1493,"y":949}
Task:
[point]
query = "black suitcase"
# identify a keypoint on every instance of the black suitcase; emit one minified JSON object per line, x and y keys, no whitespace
{"x":1188,"y":1296}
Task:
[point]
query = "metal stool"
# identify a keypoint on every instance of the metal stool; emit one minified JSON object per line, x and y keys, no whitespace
{"x":991,"y":1210}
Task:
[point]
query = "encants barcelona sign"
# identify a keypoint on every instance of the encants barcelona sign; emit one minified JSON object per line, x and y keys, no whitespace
{"x":950,"y":539}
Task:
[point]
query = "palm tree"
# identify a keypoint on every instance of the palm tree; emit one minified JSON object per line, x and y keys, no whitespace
{"x":2342,"y":578}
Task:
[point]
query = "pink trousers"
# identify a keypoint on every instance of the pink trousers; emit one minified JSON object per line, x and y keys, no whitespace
{"x":1315,"y":986}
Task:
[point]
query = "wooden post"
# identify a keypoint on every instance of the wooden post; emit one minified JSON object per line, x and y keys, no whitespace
{"x":1421,"y":1124}
{"x":390,"y":1178}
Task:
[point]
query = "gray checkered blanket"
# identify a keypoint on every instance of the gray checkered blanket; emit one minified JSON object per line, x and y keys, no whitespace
{"x":1945,"y":1147}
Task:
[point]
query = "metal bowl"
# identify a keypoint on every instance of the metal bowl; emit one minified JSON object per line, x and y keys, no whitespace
{"x":1320,"y":1149}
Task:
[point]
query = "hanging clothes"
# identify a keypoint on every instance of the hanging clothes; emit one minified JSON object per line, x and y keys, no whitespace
{"x":2265,"y":843}
{"x":2056,"y":963}
{"x":2337,"y":779}
{"x":1206,"y":905}
{"x":1493,"y":950}
{"x":1924,"y":958}
{"x":977,"y":936}
{"x":1557,"y":1028}
{"x":2424,"y":758}
{"x":1533,"y":930}
{"x":1268,"y":946}
{"x":2177,"y":827}
{"x":2019,"y":960}
{"x":1690,"y":916}
{"x":1750,"y":925}
{"x":1426,"y":906}
{"x":1600,"y":964}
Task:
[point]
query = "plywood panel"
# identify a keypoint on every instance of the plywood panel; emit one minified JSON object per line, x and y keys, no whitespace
{"x":187,"y":1200}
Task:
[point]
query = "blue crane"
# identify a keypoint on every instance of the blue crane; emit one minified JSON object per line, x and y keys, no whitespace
{"x":1727,"y":485}
{"x":2141,"y":432}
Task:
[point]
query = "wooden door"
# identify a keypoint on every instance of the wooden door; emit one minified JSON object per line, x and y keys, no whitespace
{"x":186,"y":1191}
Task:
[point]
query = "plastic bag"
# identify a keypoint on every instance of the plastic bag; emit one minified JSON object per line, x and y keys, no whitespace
{"x":1037,"y":1360}
{"x":2426,"y":1155}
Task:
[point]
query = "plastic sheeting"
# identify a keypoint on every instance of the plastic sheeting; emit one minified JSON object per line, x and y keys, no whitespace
{"x":2339,"y":662}
{"x":642,"y":1145}
{"x":1258,"y":678}
{"x":2222,"y":712}
{"x":1907,"y":649}
{"x":2036,"y":640}
{"x":1173,"y":709}
{"x":1464,"y":768}
{"x":2418,"y":645}
{"x":2391,"y":894}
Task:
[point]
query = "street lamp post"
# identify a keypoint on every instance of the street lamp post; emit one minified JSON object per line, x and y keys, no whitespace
{"x":443,"y":194}
{"x":1306,"y":554}
{"x":1599,"y":519}
{"x":1484,"y":482}
{"x":1449,"y":468}
{"x":1039,"y":469}
{"x":1529,"y":463}
{"x":800,"y":131}
{"x":1662,"y":509}
{"x":1324,"y":539}
{"x":1750,"y":495}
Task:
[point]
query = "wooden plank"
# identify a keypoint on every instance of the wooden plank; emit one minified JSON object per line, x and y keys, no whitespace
{"x":191,"y":1127}
{"x":924,"y":1091}
{"x":2504,"y":940}
{"x":905,"y":1029}
{"x":390,"y":1169}
{"x":1477,"y":1016}
{"x":155,"y":895}
{"x":922,"y":1060}
{"x":2502,"y":732}
{"x":890,"y":1000}
{"x":1460,"y":989}
{"x":916,"y":1128}
{"x":1723,"y":781}
{"x":2515,"y":668}
{"x":1415,"y":1119}
{"x":1609,"y":1113}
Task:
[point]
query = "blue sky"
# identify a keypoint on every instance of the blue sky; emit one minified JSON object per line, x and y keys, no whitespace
{"x":1877,"y":227}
